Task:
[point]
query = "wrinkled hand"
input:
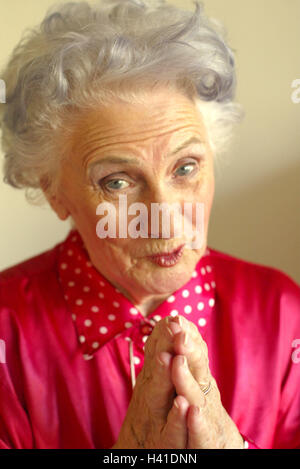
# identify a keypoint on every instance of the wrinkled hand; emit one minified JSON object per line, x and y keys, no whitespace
{"x":168,"y":408}
{"x":156,"y":418}
{"x":208,"y":423}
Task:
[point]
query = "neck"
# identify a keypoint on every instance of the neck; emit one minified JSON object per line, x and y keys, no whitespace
{"x":145,"y":305}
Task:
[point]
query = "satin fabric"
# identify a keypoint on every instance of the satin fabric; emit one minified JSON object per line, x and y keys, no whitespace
{"x":58,"y":390}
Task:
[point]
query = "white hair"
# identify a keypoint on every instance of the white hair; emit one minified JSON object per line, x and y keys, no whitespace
{"x":82,"y":55}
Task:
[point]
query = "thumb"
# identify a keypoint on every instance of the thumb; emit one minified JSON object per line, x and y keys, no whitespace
{"x":175,"y":434}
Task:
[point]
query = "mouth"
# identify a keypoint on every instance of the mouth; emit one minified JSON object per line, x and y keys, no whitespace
{"x":167,"y":259}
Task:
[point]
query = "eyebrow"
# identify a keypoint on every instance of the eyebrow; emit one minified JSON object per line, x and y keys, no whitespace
{"x":134,"y":162}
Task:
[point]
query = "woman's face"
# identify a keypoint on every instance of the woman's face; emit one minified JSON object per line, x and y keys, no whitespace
{"x":133,"y":150}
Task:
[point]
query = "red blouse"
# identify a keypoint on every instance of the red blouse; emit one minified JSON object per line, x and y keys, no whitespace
{"x":71,"y":346}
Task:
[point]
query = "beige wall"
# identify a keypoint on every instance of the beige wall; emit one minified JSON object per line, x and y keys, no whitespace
{"x":256,"y":213}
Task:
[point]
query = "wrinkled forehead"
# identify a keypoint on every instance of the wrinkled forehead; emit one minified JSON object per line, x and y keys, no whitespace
{"x":162,"y":121}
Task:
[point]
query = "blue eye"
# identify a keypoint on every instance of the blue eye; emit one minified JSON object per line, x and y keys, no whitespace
{"x":114,"y":184}
{"x":185,"y":170}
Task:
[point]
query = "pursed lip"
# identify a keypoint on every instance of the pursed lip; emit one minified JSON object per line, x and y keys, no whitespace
{"x":170,"y":253}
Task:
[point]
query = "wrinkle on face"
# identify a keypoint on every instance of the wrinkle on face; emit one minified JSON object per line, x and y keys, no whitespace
{"x":147,"y":133}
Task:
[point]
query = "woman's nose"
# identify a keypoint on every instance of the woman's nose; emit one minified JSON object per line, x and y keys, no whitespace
{"x":164,"y":210}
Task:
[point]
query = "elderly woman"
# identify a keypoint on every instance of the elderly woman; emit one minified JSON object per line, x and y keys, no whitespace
{"x":119,"y":341}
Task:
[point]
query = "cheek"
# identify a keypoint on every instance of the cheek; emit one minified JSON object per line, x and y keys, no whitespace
{"x":202,"y":202}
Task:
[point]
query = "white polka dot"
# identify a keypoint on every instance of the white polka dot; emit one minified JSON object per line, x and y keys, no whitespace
{"x":71,"y":284}
{"x":202,"y":322}
{"x":95,"y":344}
{"x":66,"y":297}
{"x":211,"y":302}
{"x":111,"y":317}
{"x":200,"y":306}
{"x":79,"y":302}
{"x":136,"y":360}
{"x":88,"y":264}
{"x":63,"y":266}
{"x":118,"y":291}
{"x":127,"y":339}
{"x":102,"y":283}
{"x":81,"y":339}
{"x":74,"y":238}
{"x":194,"y":274}
{"x":213,"y":284}
{"x":86,"y":356}
{"x":127,"y":325}
{"x":101,"y":295}
{"x":95,"y":309}
{"x":74,"y":317}
{"x":185,"y":293}
{"x":86,"y":289}
{"x":70,"y":252}
{"x":77,"y":271}
{"x":171,"y":299}
{"x":174,"y":313}
{"x":198,"y":289}
{"x":103,"y":330}
{"x":87,"y":322}
{"x":187,"y":309}
{"x":203,"y":271}
{"x":116,"y":304}
{"x":145,"y":338}
{"x":133,"y":311}
{"x":207,"y":286}
{"x":246,"y":444}
{"x":157,"y":317}
{"x":208,"y":268}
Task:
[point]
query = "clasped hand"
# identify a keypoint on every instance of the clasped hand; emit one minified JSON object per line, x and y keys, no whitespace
{"x":168,"y":408}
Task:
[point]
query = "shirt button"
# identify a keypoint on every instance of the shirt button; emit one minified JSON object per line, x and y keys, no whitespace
{"x":146,"y":330}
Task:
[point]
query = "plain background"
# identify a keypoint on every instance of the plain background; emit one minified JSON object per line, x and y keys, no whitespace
{"x":256,"y":212}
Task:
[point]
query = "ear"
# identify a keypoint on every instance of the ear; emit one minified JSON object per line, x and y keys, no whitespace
{"x":55,"y":202}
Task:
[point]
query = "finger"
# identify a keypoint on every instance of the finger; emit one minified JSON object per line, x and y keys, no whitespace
{"x":191,"y":344}
{"x":198,"y":429}
{"x":158,"y":388}
{"x":163,"y":333}
{"x":159,"y":391}
{"x":175,"y":434}
{"x":185,"y":383}
{"x":195,"y":353}
{"x":187,"y":326}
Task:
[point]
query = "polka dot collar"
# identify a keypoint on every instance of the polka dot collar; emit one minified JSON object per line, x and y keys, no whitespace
{"x":100,"y":311}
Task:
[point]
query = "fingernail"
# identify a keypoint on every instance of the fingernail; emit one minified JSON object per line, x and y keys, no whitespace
{"x":187,"y":341}
{"x":173,"y":329}
{"x":178,"y":320}
{"x":176,"y":404}
{"x":160,"y":361}
{"x":183,"y":361}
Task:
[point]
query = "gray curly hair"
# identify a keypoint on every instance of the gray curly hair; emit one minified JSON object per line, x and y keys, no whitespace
{"x":83,"y":55}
